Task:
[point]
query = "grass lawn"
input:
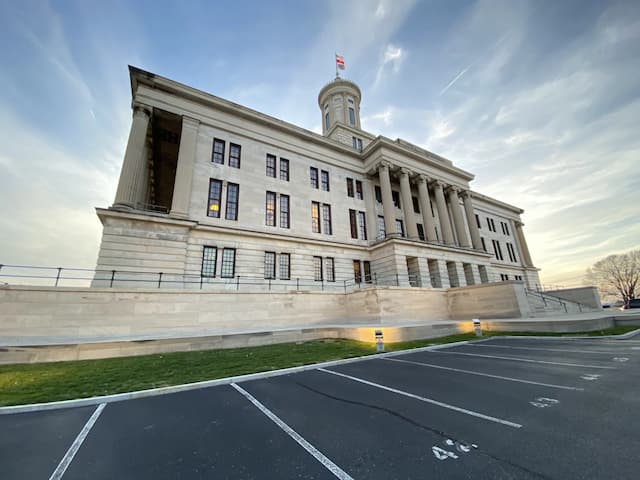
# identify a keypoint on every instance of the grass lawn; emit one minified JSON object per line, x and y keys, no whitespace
{"x":46,"y":382}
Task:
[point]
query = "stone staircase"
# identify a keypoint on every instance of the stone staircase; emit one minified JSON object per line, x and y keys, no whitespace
{"x":545,"y":305}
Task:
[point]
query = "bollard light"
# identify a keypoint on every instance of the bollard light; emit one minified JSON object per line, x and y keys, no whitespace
{"x":379,"y":341}
{"x":476,"y":327}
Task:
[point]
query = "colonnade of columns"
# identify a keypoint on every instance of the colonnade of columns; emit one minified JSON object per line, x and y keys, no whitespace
{"x":447,"y":224}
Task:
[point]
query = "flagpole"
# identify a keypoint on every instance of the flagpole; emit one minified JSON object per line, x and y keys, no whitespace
{"x":335,"y":59}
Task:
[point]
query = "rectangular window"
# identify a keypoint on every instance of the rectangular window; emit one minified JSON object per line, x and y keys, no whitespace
{"x":353,"y":223}
{"x":416,"y":205}
{"x":352,"y":116}
{"x":317,"y":269}
{"x":497,"y":250}
{"x":285,"y":266}
{"x":215,"y":195}
{"x":313,"y":177}
{"x":493,"y":225}
{"x":284,"y":211}
{"x":359,"y":144}
{"x":271,"y":166}
{"x":270,"y":209}
{"x":325,"y":180}
{"x":355,"y":142}
{"x":329,"y":269}
{"x":315,"y":217}
{"x":420,"y":231}
{"x":489,"y":223}
{"x":349,"y":187}
{"x":367,"y":271}
{"x":228,"y":268}
{"x":478,"y":221}
{"x":378,"y":194}
{"x":209,"y":259}
{"x":359,"y":195}
{"x":382,"y":233}
{"x":217,"y":154}
{"x":505,"y":228}
{"x":484,"y":245}
{"x":357,"y":275}
{"x":326,"y":219}
{"x":399,"y":227}
{"x":234,"y":155}
{"x":233,"y":191}
{"x":326,"y":121}
{"x":270,"y":265}
{"x":284,"y":169}
{"x":396,"y":198}
{"x":363,"y":225}
{"x":512,"y":252}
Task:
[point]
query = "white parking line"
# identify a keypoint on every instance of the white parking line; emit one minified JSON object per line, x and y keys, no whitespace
{"x":317,"y":454}
{"x":499,"y":377}
{"x":516,"y":359}
{"x":541,"y":349}
{"x":77,"y":443}
{"x":424,"y":399}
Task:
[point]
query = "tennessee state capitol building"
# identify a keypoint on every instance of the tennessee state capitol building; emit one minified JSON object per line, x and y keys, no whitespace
{"x":210,"y":191}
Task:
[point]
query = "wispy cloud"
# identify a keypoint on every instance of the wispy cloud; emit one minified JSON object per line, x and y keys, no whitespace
{"x":394,"y":57}
{"x":455,"y":79}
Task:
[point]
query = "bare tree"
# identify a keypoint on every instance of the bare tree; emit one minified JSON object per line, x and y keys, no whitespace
{"x":617,"y":275}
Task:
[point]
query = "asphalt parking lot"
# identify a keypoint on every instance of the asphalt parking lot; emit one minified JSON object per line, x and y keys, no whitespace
{"x":521,"y":408}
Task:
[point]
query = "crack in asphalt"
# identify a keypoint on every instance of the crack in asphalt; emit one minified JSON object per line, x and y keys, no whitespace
{"x":440,"y":433}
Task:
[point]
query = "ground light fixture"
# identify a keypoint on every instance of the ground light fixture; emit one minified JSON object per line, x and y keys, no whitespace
{"x":379,"y":341}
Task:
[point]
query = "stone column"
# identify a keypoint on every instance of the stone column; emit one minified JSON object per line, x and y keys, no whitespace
{"x":387,"y":199}
{"x":184,"y":170}
{"x":524,"y":249}
{"x":134,"y":166}
{"x":407,"y":201}
{"x":471,"y":220}
{"x":458,"y":220}
{"x":443,"y":214}
{"x":425,"y":278}
{"x":370,"y":203}
{"x":425,"y":208}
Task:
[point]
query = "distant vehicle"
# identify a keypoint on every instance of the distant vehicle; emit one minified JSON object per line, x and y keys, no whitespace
{"x":633,"y":303}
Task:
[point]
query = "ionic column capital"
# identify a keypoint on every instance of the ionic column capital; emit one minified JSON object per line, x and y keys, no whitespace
{"x":190,"y":122}
{"x":141,"y":109}
{"x":439,"y":184}
{"x":452,"y":189}
{"x":405,"y":171}
{"x":384,"y":164}
{"x":465,"y":194}
{"x":518,"y":223}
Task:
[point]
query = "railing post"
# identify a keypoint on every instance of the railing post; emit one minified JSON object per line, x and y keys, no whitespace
{"x":322,"y":284}
{"x":375,"y":278}
{"x":159,"y":279}
{"x":201,"y":279}
{"x":113,"y":276}
{"x":345,"y":286}
{"x":297,"y":283}
{"x":58,"y":275}
{"x":565,"y":307}
{"x":269,"y":283}
{"x":238,"y":282}
{"x":397,"y":280}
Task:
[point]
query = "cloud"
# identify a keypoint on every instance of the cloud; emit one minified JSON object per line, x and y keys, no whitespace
{"x":394,"y":57}
{"x":455,"y":79}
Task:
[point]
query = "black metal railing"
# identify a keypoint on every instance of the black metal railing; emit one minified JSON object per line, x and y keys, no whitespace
{"x":150,"y":278}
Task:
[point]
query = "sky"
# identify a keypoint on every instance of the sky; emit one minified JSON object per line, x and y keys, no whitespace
{"x":539,"y":99}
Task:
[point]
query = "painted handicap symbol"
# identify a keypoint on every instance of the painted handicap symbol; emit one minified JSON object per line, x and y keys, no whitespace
{"x":620,"y":359}
{"x":442,"y":454}
{"x":590,"y":376}
{"x":544,"y":402}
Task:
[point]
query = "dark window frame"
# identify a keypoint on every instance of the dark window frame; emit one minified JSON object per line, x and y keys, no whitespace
{"x":313,"y":177}
{"x":353,"y":223}
{"x":330,"y":269}
{"x":416,"y":204}
{"x":420,"y":229}
{"x":270,"y":212}
{"x":207,"y":262}
{"x":316,"y":226}
{"x":214,"y":153}
{"x":234,"y":158}
{"x":224,"y":272}
{"x":378,"y":193}
{"x":359,"y":192}
{"x":366,"y":271}
{"x":269,"y":265}
{"x":352,"y":116}
{"x":362,"y":224}
{"x":287,"y":275}
{"x":235,"y":205}
{"x":284,"y":169}
{"x":324,"y":181}
{"x":285,"y":213}
{"x":350,"y":189}
{"x":395,"y":196}
{"x":214,"y":213}
{"x":327,"y":224}
{"x":270,"y":167}
{"x":357,"y":271}
{"x":317,"y":268}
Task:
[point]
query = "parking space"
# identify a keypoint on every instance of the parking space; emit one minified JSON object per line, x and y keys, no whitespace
{"x":502,"y":408}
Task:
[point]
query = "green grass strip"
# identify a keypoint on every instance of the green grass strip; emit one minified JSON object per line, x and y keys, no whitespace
{"x":47,"y":382}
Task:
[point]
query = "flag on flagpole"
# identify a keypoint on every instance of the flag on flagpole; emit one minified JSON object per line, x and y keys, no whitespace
{"x":339,"y":62}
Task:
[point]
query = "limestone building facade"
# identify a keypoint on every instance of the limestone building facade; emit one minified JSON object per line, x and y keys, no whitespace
{"x":214,"y":194}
